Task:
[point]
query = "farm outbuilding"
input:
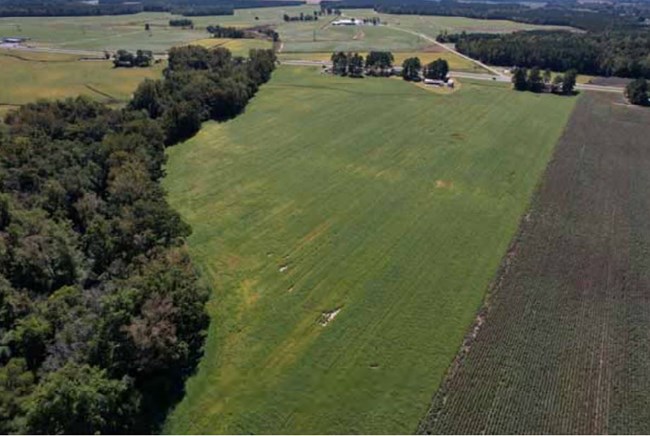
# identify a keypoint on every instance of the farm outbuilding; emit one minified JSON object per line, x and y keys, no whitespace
{"x":434,"y":82}
{"x":347,"y":22}
{"x":13,"y":39}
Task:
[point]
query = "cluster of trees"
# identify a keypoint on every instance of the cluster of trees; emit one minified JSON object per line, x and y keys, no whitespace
{"x":436,"y":70}
{"x":101,"y":314}
{"x":638,"y":92}
{"x":227,"y":32}
{"x":254,"y":32}
{"x":347,"y":64}
{"x":181,"y":22}
{"x":201,"y":84}
{"x":616,"y":53}
{"x":533,"y":80}
{"x":329,"y":10}
{"x":379,"y":63}
{"x":376,"y":63}
{"x":126,"y":59}
{"x":302,"y":16}
{"x":268,"y":32}
{"x":375,"y":21}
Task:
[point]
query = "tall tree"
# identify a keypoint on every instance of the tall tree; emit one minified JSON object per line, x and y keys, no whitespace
{"x":569,"y":82}
{"x":378,"y":62}
{"x":437,"y":70}
{"x":637,"y":92}
{"x":355,"y":65}
{"x":535,"y":81}
{"x":520,"y":79}
{"x":411,"y":68}
{"x":339,"y":63}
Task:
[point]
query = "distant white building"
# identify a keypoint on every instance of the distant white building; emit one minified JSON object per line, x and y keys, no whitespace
{"x":347,"y":22}
{"x":13,"y":40}
{"x":434,"y":82}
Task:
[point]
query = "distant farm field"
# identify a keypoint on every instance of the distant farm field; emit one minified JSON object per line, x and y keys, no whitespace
{"x":28,"y":76}
{"x":349,"y":229}
{"x":128,"y":31}
{"x":565,"y":343}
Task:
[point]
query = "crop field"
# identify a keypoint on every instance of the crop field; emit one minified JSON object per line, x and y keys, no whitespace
{"x":565,"y":342}
{"x":349,"y":230}
{"x":27,"y":76}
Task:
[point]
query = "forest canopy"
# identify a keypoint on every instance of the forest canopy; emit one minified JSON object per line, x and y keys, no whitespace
{"x":102,"y":315}
{"x":615,"y":53}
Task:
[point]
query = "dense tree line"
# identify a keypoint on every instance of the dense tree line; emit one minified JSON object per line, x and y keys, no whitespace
{"x":619,"y":53}
{"x":587,"y":16}
{"x":101,"y":314}
{"x":126,"y":59}
{"x":43,"y":8}
{"x":265,"y":32}
{"x":181,"y":22}
{"x":302,"y":17}
{"x":376,"y":63}
{"x":227,"y":32}
{"x":49,"y":8}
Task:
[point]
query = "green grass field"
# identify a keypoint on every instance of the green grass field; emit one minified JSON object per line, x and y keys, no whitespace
{"x":128,"y":31}
{"x":27,"y":76}
{"x":374,"y":197}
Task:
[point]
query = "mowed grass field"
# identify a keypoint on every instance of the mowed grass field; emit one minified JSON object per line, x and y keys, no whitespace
{"x":565,"y":344}
{"x":375,"y":205}
{"x":28,"y":76}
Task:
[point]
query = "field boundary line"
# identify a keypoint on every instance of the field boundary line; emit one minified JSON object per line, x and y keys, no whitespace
{"x":112,"y":98}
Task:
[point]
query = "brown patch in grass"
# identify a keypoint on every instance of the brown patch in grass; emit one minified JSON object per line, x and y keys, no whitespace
{"x":433,"y":48}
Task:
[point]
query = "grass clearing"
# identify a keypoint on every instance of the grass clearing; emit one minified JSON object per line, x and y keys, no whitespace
{"x":565,"y":344}
{"x":371,"y":206}
{"x":28,"y":76}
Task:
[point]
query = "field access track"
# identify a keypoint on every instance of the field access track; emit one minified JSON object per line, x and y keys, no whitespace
{"x":565,"y":344}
